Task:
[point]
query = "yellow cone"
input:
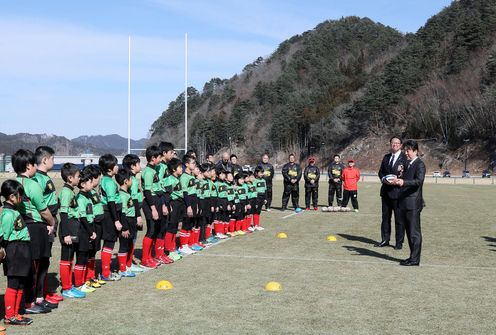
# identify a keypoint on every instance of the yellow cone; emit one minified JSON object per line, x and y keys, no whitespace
{"x":164,"y":285}
{"x":331,"y":238}
{"x":281,"y":235}
{"x":273,"y":286}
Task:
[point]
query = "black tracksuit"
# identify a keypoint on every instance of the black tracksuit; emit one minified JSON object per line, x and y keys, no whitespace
{"x":291,"y":171}
{"x":334,"y":171}
{"x":311,"y":176}
{"x":268,"y":176}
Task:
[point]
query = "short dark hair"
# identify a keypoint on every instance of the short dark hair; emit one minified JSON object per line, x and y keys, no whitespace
{"x":10,"y":187}
{"x":166,"y":146}
{"x":122,"y":175}
{"x":397,"y":137}
{"x":191,"y":152}
{"x":68,"y":170}
{"x":233,"y":155}
{"x":259,"y":169}
{"x":94,"y":170}
{"x":173,"y":164}
{"x":130,"y":160}
{"x":21,"y":159}
{"x":204,"y":167}
{"x":239,"y":176}
{"x":188,"y":158}
{"x":410,"y":144}
{"x":292,"y":155}
{"x":153,"y":151}
{"x":336,"y":155}
{"x":107,"y":163}
{"x":42,"y":152}
{"x":85,"y":176}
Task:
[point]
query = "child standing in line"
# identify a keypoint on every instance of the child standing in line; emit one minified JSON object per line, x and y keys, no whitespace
{"x":351,"y":176}
{"x":261,"y":187}
{"x":176,"y":204}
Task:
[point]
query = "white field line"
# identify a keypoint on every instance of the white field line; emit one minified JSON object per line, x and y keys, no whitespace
{"x":290,"y":215}
{"x":302,"y":259}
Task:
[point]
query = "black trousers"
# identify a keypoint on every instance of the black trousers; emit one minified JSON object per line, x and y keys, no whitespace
{"x":354,"y":198}
{"x":268,"y":195}
{"x":411,"y":219}
{"x":292,"y":190}
{"x":390,"y":206}
{"x":311,"y":193}
{"x":335,"y":188}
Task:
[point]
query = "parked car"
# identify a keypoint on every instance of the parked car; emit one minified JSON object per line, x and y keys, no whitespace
{"x":466,"y":174}
{"x":446,"y":174}
{"x":486,"y":174}
{"x":247,"y":168}
{"x":436,"y":174}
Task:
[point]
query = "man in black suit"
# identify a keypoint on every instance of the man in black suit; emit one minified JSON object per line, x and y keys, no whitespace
{"x":392,"y":164}
{"x":411,"y":201}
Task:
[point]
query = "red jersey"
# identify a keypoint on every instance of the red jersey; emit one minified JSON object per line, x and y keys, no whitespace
{"x":350,"y":176}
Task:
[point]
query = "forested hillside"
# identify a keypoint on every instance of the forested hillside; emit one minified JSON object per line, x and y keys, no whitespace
{"x":353,"y":79}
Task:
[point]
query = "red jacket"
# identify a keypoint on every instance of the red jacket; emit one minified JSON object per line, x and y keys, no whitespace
{"x":350,"y":177}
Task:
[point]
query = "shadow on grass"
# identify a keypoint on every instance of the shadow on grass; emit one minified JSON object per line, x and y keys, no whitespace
{"x":490,"y":240}
{"x":371,"y":253}
{"x":358,"y":238}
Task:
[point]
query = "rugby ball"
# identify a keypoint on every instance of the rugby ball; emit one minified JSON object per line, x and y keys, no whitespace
{"x":390,"y":177}
{"x":324,"y":209}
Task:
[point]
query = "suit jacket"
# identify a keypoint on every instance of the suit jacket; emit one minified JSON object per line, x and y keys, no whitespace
{"x":391,"y":191}
{"x":410,"y":196}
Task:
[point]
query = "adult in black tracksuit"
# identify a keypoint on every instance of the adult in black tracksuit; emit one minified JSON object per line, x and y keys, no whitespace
{"x":311,"y":174}
{"x":392,"y":164}
{"x":411,"y":201}
{"x":291,"y":173}
{"x":334,"y":172}
{"x":236,"y":168}
{"x":268,"y":175}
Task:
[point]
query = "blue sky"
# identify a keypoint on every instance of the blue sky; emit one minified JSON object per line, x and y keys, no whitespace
{"x":64,"y":64}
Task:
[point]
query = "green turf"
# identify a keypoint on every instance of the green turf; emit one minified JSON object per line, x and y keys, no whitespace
{"x":342,"y":287}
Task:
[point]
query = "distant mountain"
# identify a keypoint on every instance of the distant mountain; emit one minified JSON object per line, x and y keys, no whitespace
{"x":114,"y":144}
{"x":109,"y":143}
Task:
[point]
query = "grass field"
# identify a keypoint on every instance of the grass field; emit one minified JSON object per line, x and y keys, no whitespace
{"x":343,"y":287}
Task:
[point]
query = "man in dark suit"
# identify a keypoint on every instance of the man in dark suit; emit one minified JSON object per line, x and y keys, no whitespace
{"x":392,"y":164}
{"x":411,"y":201}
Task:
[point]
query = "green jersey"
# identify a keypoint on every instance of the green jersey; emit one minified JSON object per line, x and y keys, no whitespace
{"x":85,"y":206}
{"x":221,"y":189}
{"x":188,"y":183}
{"x":68,"y":203}
{"x":230,"y":192}
{"x":12,"y":225}
{"x":176,"y":188}
{"x":150,"y":180}
{"x":48,"y":188}
{"x":163,"y":172}
{"x":127,"y":204}
{"x":252,"y":191}
{"x":96,"y":199}
{"x":110,"y":191}
{"x":33,"y":202}
{"x":204,"y":191}
{"x":136,"y":193}
{"x":261,"y":186}
{"x":212,"y":189}
{"x":242,"y":191}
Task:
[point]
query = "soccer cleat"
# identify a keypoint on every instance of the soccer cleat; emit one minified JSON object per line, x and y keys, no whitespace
{"x":147,"y":263}
{"x":212,"y":240}
{"x":112,"y":277}
{"x":307,"y":209}
{"x":47,"y":304}
{"x":100,"y":280}
{"x":186,"y":250}
{"x":37,"y":309}
{"x":221,"y":236}
{"x":157,"y":261}
{"x":356,"y":210}
{"x":268,"y":209}
{"x":18,"y":320}
{"x":201,"y":244}
{"x":52,"y":301}
{"x":316,"y":208}
{"x":251,"y":228}
{"x":174,"y":256}
{"x":127,"y":274}
{"x":196,"y":247}
{"x":55,"y":296}
{"x":86,"y":288}
{"x":93,"y":283}
{"x":135,"y":268}
{"x":73,"y":293}
{"x":240,"y":232}
{"x":166,"y":259}
{"x":259,"y":228}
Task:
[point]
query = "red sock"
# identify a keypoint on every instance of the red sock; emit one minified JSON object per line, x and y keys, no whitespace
{"x":218,"y":227}
{"x":232,"y":224}
{"x":18,"y":301}
{"x":226,"y":227}
{"x":10,"y":302}
{"x":130,"y":254}
{"x":196,"y":234}
{"x":183,"y":237}
{"x":147,"y":247}
{"x":122,"y":258}
{"x":208,"y":232}
{"x":191,"y":239}
{"x":65,"y":275}
{"x":90,"y":269}
{"x":256,"y":219}
{"x":106,"y":259}
{"x":169,"y":239}
{"x":79,"y":271}
{"x":159,"y":247}
{"x":238,"y":225}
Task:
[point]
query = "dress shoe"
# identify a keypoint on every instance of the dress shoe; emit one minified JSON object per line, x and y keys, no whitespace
{"x":398,"y":246}
{"x":403,"y":262}
{"x":408,"y":262}
{"x":382,"y":244}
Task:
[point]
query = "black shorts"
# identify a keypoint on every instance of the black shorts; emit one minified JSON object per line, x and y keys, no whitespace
{"x":177,"y":211}
{"x":194,"y":202}
{"x":84,"y":240}
{"x":253,"y":204}
{"x":132,"y":224}
{"x":109,"y":232}
{"x":260,"y":202}
{"x":153,"y":226}
{"x":40,"y":243}
{"x":97,"y":242}
{"x":18,"y":259}
{"x":239,"y":212}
